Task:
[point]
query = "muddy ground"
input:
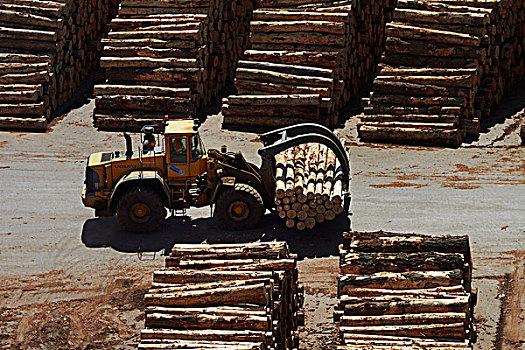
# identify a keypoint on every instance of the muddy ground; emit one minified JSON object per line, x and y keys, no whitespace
{"x":72,"y":281}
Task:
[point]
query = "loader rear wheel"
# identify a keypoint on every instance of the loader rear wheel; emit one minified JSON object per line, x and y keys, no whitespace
{"x":140,"y":209}
{"x":239,"y":208}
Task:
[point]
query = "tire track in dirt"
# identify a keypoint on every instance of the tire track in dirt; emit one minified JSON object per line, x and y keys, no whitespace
{"x":511,"y":326}
{"x":111,"y":320}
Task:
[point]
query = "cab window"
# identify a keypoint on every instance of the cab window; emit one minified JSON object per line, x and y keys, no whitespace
{"x":196,"y":148}
{"x":178,"y":150}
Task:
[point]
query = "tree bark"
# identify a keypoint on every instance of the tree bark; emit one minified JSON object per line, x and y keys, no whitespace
{"x":418,"y":33}
{"x":255,"y":294}
{"x":405,"y":319}
{"x":464,"y":81}
{"x":205,"y":334}
{"x":276,"y":15}
{"x":417,"y":101}
{"x":406,"y":110}
{"x":143,"y":103}
{"x":251,"y":87}
{"x":161,"y":320}
{"x":272,"y":100}
{"x":465,"y":18}
{"x":288,"y":68}
{"x":399,"y":46}
{"x":283,"y":78}
{"x":327,"y":59}
{"x":367,"y":263}
{"x":143,"y":62}
{"x":141,"y":91}
{"x":402,"y":280}
{"x":452,"y":330}
{"x":173,"y":276}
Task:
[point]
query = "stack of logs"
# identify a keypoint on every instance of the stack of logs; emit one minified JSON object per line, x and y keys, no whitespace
{"x":309,"y":187}
{"x":46,"y":49}
{"x":168,"y":59}
{"x":308,"y":59}
{"x":522,"y":128}
{"x":225,"y":296}
{"x":446,"y":64}
{"x":399,"y":291}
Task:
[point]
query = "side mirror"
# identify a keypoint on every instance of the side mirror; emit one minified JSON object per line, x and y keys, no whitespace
{"x":196,"y":124}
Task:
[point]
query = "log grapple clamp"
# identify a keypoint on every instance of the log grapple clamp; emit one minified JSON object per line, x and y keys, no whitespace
{"x":281,"y":139}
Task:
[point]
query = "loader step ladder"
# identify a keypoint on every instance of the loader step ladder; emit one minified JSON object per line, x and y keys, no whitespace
{"x":177,"y":212}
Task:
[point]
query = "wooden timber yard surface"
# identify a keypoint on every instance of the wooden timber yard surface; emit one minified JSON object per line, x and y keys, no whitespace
{"x":446,"y":65}
{"x":405,"y":291}
{"x":46,"y":49}
{"x":225,"y":296}
{"x":308,"y":59}
{"x":168,"y":58}
{"x":72,"y":281}
{"x":396,"y":291}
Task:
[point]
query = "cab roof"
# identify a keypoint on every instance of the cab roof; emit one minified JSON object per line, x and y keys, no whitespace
{"x":182,"y":126}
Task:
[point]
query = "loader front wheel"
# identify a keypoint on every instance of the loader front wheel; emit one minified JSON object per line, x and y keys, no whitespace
{"x":140,"y":209}
{"x":239,"y":208}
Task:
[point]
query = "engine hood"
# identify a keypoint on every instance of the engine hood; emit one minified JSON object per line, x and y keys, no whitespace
{"x":100,"y":158}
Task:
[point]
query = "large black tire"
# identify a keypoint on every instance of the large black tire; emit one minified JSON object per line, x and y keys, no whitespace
{"x":239,"y":208}
{"x":140,"y":209}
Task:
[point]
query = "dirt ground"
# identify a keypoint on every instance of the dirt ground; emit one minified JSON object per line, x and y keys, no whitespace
{"x":72,"y":281}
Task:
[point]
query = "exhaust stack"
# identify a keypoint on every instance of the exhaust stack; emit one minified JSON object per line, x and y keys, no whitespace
{"x":129,"y":148}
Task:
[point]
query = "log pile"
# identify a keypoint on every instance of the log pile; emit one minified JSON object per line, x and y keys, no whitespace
{"x":399,"y":291}
{"x":522,"y":128}
{"x":309,"y":187}
{"x":307,"y":60}
{"x":168,"y":59}
{"x":225,"y":296}
{"x":46,"y":49}
{"x":446,"y":64}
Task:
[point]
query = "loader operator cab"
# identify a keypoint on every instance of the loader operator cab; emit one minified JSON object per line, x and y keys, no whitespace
{"x":185,"y":155}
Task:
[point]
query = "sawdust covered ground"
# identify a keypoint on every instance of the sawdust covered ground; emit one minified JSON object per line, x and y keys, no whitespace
{"x":71,"y":281}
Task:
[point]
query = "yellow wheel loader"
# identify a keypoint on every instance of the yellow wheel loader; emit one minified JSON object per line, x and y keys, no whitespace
{"x":172,"y":170}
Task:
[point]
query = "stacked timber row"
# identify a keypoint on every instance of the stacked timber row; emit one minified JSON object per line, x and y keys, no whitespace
{"x":399,"y":291}
{"x":445,"y":65}
{"x":522,"y":132}
{"x":309,"y":187}
{"x":46,"y":49}
{"x":521,"y":126}
{"x":168,"y":59}
{"x":225,"y":296}
{"x":505,"y":50}
{"x":307,"y":60}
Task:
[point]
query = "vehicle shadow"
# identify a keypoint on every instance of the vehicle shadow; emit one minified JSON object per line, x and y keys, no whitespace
{"x":322,"y":241}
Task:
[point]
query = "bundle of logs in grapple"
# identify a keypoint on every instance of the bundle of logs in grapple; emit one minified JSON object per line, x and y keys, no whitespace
{"x":405,"y":291}
{"x":225,"y":296}
{"x":307,"y":60}
{"x":168,"y":59}
{"x":446,"y":64}
{"x":46,"y":49}
{"x":309,"y":187}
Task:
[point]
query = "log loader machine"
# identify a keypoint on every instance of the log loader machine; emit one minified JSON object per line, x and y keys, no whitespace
{"x":138,"y":186}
